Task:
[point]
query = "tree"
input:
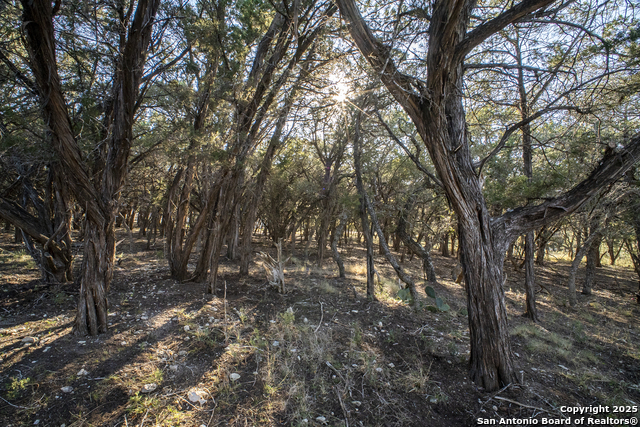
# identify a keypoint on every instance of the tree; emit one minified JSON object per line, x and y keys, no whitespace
{"x":435,"y":105}
{"x":100,"y":198}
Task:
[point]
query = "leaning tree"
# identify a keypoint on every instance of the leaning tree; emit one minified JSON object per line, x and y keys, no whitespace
{"x":434,"y":102}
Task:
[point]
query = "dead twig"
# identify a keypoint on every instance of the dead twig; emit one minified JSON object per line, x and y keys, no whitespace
{"x":321,"y":317}
{"x":527,"y":406}
{"x":344,"y":410}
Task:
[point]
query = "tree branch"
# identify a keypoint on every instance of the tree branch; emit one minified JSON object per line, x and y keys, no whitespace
{"x":612,"y":166}
{"x":486,"y":30}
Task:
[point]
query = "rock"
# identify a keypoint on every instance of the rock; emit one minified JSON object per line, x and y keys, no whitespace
{"x":356,"y":403}
{"x":391,"y":365}
{"x":494,"y":407}
{"x":433,"y":400}
{"x":123,"y":343}
{"x":29,"y":340}
{"x":564,"y":367}
{"x":182,"y":353}
{"x":234,"y":377}
{"x":148,"y":388}
{"x":186,"y":328}
{"x":378,"y":370}
{"x":321,"y":419}
{"x":82,"y":372}
{"x":276,"y":343}
{"x":36,"y":422}
{"x":197,"y":396}
{"x":174,"y":368}
{"x":305,"y":320}
{"x":67,"y":389}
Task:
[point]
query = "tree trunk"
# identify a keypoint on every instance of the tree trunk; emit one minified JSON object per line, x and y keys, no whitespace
{"x":334,"y":243}
{"x":401,"y":231}
{"x":435,"y":106}
{"x":593,"y":256}
{"x":529,"y":279}
{"x":366,"y":231}
{"x":576,"y":263}
{"x":101,"y":200}
{"x":444,"y":245}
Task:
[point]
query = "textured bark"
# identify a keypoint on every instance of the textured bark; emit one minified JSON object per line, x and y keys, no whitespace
{"x":100,"y":202}
{"x":436,"y":109}
{"x":530,"y":310}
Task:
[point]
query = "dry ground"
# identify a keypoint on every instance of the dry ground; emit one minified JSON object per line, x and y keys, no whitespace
{"x":321,"y":354}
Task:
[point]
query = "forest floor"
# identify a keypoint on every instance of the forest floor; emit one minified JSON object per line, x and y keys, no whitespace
{"x":321,"y":354}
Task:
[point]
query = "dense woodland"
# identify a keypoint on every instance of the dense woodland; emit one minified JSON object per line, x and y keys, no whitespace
{"x":496,"y":133}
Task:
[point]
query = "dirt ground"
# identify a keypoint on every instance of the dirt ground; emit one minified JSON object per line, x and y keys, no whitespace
{"x":320,"y":354}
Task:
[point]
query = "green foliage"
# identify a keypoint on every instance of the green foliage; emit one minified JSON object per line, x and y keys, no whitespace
{"x":440,"y":306}
{"x":16,"y":387}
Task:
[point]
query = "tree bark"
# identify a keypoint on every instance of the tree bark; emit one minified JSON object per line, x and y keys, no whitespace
{"x":436,"y":109}
{"x":101,"y":203}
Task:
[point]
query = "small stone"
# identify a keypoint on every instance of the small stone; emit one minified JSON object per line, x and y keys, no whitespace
{"x":148,"y":388}
{"x":356,"y":403}
{"x":197,"y":396}
{"x":305,"y":420}
{"x":378,"y":370}
{"x":354,"y":311}
{"x":234,"y":377}
{"x":391,"y":365}
{"x":305,"y":320}
{"x":321,"y":419}
{"x":67,"y":389}
{"x":494,"y":407}
{"x":36,"y":422}
{"x":82,"y":372}
{"x":379,"y":324}
{"x":276,"y":343}
{"x":433,"y":400}
{"x":517,"y":355}
{"x":174,"y":368}
{"x":29,"y":340}
{"x":144,"y":317}
{"x":123,"y":343}
{"x":272,"y":321}
{"x":564,"y":367}
{"x":182,"y":353}
{"x":354,"y":365}
{"x":186,"y":328}
{"x":82,"y":342}
{"x":46,"y":349}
